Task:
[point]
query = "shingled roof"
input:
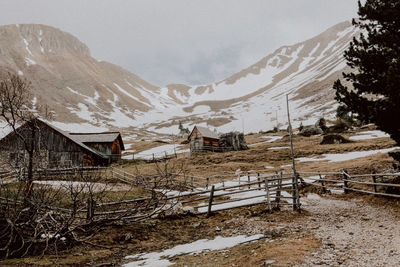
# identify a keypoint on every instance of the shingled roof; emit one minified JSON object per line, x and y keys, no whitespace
{"x":205,"y":132}
{"x":104,"y":137}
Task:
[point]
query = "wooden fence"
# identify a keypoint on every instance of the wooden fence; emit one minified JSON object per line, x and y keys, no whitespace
{"x":204,"y":195}
{"x":379,"y":183}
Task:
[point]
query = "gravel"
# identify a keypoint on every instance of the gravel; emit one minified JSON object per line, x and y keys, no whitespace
{"x":353,"y":233}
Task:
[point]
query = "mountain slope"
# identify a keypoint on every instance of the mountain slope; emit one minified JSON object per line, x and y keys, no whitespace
{"x":256,"y":94}
{"x":84,"y":92}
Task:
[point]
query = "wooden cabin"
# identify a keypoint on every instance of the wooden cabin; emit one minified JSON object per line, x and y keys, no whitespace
{"x":203,"y":139}
{"x":107,"y":143}
{"x":56,"y":148}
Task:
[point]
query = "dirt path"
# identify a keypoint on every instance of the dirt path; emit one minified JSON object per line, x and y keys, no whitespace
{"x":353,"y":233}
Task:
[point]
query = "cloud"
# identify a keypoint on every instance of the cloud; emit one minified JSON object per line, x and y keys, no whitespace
{"x":180,"y":41}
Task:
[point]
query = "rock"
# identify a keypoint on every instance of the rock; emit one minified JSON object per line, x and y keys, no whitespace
{"x":269,"y":262}
{"x":196,"y":225}
{"x":334,"y":139}
{"x":128,"y":236}
{"x":310,"y":130}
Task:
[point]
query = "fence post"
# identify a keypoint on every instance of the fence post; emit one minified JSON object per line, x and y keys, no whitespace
{"x":223,"y":182}
{"x":208,"y":179}
{"x":345,"y":183}
{"x":375,"y":187}
{"x":248,"y":179}
{"x":322,"y":182}
{"x":268,"y":196}
{"x":153,"y":158}
{"x":258,"y":180}
{"x":90,"y":211}
{"x":278,"y":190}
{"x":210,"y":201}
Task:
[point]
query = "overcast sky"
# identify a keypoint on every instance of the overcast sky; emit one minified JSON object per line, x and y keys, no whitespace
{"x":182,"y":41}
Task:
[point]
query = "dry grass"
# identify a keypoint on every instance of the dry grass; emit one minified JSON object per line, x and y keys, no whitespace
{"x":112,"y":244}
{"x":260,"y":156}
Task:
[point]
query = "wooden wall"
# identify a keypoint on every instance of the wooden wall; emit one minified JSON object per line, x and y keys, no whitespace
{"x":61,"y":151}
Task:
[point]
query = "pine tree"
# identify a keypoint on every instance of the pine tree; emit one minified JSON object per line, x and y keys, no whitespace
{"x":375,"y":59}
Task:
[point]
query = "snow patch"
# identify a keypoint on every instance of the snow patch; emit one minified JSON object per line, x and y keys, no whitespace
{"x":29,"y":61}
{"x":157,"y":259}
{"x":27,"y":47}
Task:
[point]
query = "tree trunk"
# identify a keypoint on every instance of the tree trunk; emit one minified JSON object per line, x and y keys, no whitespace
{"x":29,"y":181}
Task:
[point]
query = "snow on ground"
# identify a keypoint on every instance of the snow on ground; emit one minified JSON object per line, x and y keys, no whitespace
{"x":88,"y":99}
{"x":278,"y":147}
{"x":270,"y":140}
{"x":161,"y":259}
{"x":4,"y":129}
{"x":29,"y":61}
{"x":27,"y":47}
{"x":161,"y":151}
{"x":311,"y":179}
{"x":347,"y":156}
{"x":369,"y":135}
{"x":258,"y":196}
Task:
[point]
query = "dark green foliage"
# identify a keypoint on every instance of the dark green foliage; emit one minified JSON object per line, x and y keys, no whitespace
{"x":321,"y":123}
{"x":182,"y":129}
{"x":375,"y":59}
{"x":301,"y":127}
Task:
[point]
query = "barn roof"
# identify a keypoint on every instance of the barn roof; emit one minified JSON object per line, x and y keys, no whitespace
{"x":104,"y":137}
{"x":78,"y":142}
{"x":66,"y":135}
{"x":205,"y":132}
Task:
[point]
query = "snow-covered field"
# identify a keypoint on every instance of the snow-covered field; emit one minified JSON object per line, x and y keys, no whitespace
{"x":161,"y":259}
{"x":158,"y":152}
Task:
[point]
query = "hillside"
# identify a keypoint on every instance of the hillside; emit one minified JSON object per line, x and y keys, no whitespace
{"x":85,"y":92}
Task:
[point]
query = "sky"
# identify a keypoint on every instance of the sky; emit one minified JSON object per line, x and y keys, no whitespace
{"x":182,"y":41}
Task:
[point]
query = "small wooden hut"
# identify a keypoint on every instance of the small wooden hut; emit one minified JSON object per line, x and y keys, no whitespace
{"x":203,"y":139}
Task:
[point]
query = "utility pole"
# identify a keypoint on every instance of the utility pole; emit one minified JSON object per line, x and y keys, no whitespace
{"x":296,"y":204}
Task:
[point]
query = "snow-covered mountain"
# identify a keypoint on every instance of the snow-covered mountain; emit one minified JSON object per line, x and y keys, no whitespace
{"x":86,"y":93}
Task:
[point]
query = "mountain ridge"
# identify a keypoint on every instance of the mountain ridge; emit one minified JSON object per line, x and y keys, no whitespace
{"x":86,"y":92}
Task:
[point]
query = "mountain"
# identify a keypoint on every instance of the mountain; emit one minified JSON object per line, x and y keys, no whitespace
{"x":86,"y":93}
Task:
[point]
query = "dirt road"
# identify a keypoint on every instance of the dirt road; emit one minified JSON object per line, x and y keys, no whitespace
{"x":353,"y":232}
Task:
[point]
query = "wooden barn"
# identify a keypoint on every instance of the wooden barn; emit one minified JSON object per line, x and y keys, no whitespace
{"x":203,"y":139}
{"x":107,"y":143}
{"x":56,"y":148}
